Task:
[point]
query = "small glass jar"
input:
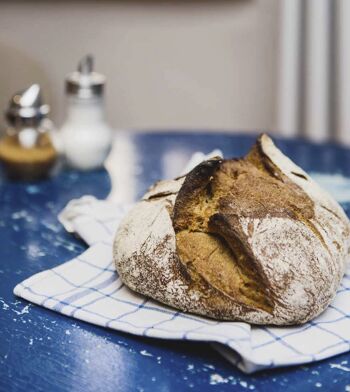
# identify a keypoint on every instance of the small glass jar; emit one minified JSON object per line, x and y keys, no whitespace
{"x":27,"y":151}
{"x":86,"y":136}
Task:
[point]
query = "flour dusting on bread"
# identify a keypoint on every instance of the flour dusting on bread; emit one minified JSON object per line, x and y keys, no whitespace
{"x":252,"y":239}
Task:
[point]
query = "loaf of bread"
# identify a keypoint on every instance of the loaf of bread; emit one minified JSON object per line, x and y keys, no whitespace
{"x":252,"y":239}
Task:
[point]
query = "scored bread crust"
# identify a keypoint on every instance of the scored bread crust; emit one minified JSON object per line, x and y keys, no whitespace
{"x":254,"y":240}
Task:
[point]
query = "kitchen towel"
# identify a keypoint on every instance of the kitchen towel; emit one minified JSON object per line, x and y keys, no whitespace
{"x":88,"y":288}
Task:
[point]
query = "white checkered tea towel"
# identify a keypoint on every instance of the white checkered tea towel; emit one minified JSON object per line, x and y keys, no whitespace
{"x":88,"y":288}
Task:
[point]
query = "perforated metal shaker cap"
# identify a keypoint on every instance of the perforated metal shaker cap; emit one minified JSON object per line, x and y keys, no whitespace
{"x":85,"y":83}
{"x":26,"y":107}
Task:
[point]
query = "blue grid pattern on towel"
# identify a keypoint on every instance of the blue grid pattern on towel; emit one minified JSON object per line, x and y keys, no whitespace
{"x":88,"y":288}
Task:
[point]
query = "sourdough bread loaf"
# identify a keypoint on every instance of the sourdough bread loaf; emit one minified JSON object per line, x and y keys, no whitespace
{"x":252,"y":239}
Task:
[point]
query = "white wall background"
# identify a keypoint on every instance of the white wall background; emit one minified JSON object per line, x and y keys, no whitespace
{"x":179,"y":64}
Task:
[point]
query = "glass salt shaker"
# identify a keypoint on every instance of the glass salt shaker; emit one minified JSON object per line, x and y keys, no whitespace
{"x":27,"y":151}
{"x":86,"y":136}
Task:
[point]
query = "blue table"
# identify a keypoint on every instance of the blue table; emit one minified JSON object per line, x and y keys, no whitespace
{"x":43,"y":351}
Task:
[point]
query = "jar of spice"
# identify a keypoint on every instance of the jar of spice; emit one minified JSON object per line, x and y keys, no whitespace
{"x":27,"y":151}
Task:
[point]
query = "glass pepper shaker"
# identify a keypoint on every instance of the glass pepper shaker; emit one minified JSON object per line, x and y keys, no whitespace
{"x":27,"y":151}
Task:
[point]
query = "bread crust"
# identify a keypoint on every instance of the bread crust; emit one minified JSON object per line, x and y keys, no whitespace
{"x":254,"y":240}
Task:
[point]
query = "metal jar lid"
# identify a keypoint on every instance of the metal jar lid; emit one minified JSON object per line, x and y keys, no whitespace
{"x":26,"y":108}
{"x":85,"y":83}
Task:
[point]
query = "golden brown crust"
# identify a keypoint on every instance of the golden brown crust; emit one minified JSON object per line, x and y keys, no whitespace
{"x":214,"y":196}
